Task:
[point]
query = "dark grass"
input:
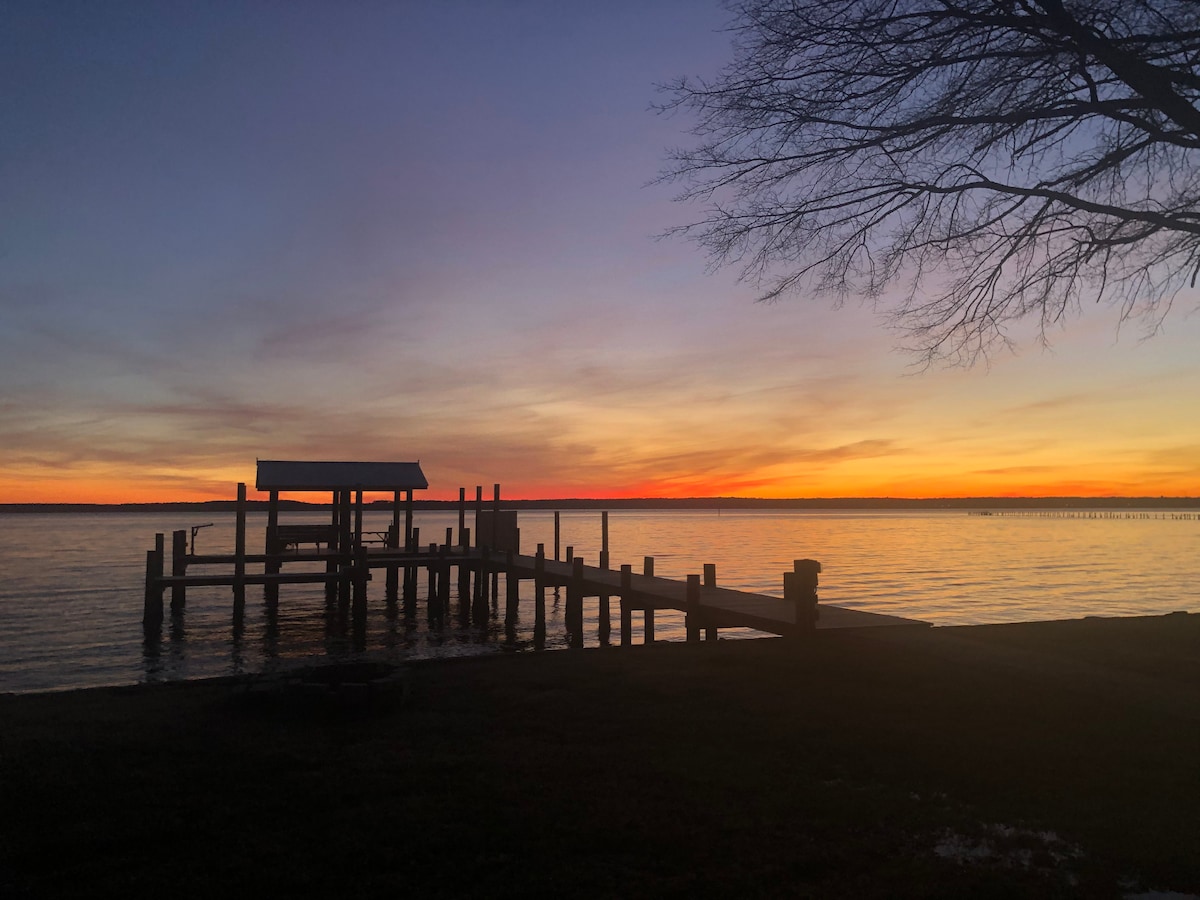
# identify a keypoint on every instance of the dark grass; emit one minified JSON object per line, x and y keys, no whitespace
{"x":747,"y":768}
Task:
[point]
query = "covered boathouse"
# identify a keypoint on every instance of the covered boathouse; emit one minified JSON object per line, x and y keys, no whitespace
{"x":346,"y":482}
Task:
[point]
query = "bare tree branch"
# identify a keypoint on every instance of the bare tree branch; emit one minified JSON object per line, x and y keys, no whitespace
{"x":984,"y":161}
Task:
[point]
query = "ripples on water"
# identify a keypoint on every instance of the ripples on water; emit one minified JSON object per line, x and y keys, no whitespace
{"x":71,"y":585}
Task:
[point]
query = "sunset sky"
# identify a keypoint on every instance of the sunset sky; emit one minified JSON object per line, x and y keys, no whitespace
{"x":426,"y":230}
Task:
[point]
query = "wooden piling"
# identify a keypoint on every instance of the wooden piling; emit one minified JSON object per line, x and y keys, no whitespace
{"x":800,"y":586}
{"x":178,"y":568}
{"x":539,"y":595}
{"x":512,"y":591}
{"x":692,"y":609}
{"x":605,"y":611}
{"x":575,"y":604}
{"x":556,"y":535}
{"x":239,"y":562}
{"x":710,"y":581}
{"x":462,"y":518}
{"x":444,"y":576}
{"x":626,"y":605}
{"x":152,"y":609}
{"x":478,"y":510}
{"x":648,"y":612}
{"x":271,"y":550}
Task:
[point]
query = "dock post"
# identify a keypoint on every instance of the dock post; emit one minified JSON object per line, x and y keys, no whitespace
{"x":804,"y":593}
{"x":605,"y":624}
{"x":556,"y":533}
{"x":478,"y":511}
{"x":626,"y":605}
{"x":152,"y":611}
{"x":575,"y":604}
{"x":512,"y":593}
{"x":392,"y":590}
{"x":710,"y":581}
{"x":271,"y":549}
{"x":431,"y":571}
{"x":433,"y":609}
{"x":462,"y":518}
{"x":479,"y":610}
{"x":239,"y":560}
{"x":692,"y":611}
{"x":570,"y":554}
{"x":464,"y":569}
{"x":539,"y":594}
{"x":360,"y":587}
{"x":178,"y":569}
{"x":444,"y":576}
{"x":648,"y":612}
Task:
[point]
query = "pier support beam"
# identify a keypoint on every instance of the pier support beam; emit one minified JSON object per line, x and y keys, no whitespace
{"x":152,"y":610}
{"x":648,"y":612}
{"x":512,"y":593}
{"x":710,"y":581}
{"x":271,"y":548}
{"x":575,"y":604}
{"x":626,"y":605}
{"x":692,"y":608}
{"x":178,"y":568}
{"x":239,"y":556}
{"x":539,"y":597}
{"x":800,"y":588}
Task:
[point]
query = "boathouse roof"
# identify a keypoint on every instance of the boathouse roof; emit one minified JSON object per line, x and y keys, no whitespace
{"x":299,"y":475}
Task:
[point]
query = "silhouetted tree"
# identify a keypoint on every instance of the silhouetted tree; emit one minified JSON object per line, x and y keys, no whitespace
{"x":981,"y":161}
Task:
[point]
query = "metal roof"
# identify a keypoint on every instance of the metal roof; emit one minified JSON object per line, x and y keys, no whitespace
{"x":292,"y":475}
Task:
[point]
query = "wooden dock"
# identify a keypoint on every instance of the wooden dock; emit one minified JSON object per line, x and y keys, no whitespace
{"x":345,"y":574}
{"x":343,"y":557}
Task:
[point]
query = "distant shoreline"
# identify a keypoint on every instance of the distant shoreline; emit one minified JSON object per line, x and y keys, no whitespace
{"x":657,"y":503}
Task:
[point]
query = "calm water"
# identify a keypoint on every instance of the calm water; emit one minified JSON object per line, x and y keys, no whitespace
{"x":71,"y":585}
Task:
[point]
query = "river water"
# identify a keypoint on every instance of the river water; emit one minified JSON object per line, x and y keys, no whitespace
{"x":71,"y":584}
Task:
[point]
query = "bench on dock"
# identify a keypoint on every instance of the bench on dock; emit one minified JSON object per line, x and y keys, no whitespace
{"x":295,"y":535}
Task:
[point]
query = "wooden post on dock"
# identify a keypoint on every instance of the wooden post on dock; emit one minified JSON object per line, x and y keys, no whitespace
{"x":178,"y":569}
{"x":575,"y":604}
{"x":800,"y":587}
{"x":331,"y":565}
{"x":152,"y":610}
{"x":512,"y":593}
{"x":478,"y":510}
{"x":444,"y":575}
{"x":692,"y":608}
{"x":648,"y":612}
{"x":434,"y":610}
{"x":392,"y":589}
{"x":361,"y":573}
{"x":495,"y":536}
{"x":626,"y":605}
{"x":271,"y":550}
{"x":464,"y":568}
{"x":462,"y":518}
{"x":539,"y":596}
{"x":345,"y":548}
{"x":556,"y":534}
{"x":239,"y":554}
{"x":479,"y":610}
{"x":710,"y":581}
{"x":605,"y":624}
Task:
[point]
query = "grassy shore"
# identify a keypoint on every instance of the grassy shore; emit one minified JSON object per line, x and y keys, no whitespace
{"x":1049,"y":759}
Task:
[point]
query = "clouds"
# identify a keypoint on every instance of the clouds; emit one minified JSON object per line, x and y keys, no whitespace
{"x":400,"y":231}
